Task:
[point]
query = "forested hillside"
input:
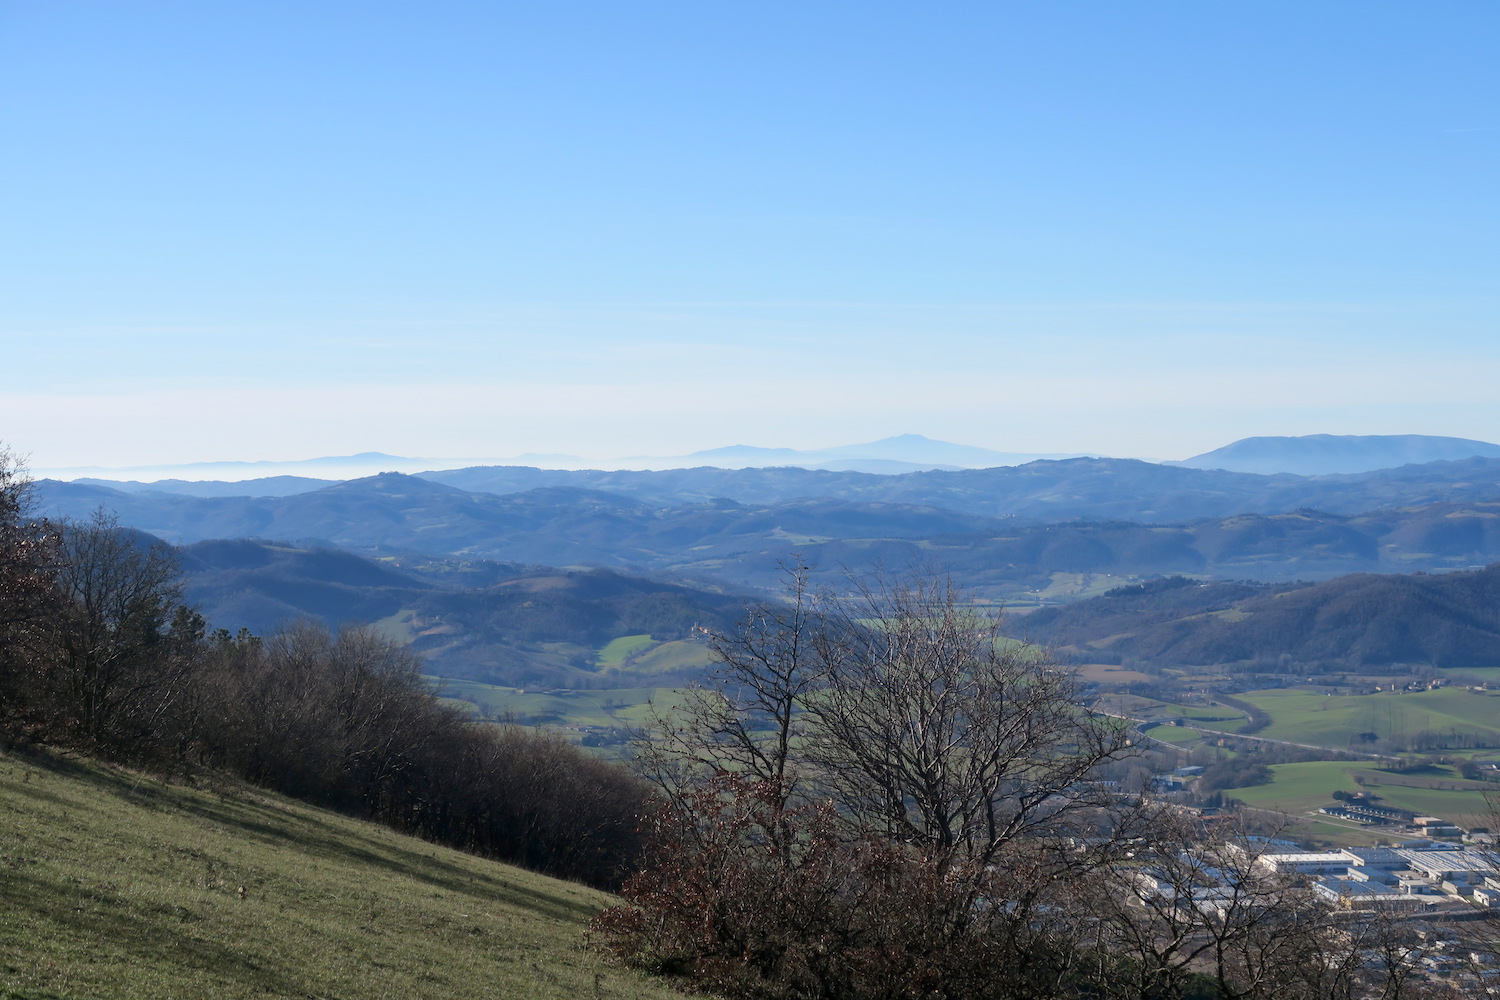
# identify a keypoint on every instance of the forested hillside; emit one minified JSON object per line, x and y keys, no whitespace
{"x":1354,"y":622}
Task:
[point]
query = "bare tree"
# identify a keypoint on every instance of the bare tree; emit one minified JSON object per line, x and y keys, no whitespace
{"x":749,"y":716}
{"x":886,"y":773}
{"x":28,"y":596}
{"x":933,"y":725}
{"x":124,"y":640}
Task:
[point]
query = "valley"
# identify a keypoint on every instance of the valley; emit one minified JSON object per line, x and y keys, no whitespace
{"x":1237,"y":615}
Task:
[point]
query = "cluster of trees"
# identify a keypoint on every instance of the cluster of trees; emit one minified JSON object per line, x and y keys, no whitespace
{"x":1234,"y":772}
{"x":99,"y":652}
{"x":883,"y":797}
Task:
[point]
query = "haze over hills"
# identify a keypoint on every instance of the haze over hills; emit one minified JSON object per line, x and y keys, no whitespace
{"x":888,"y":456}
{"x":461,"y":566}
{"x":893,"y":455}
{"x":1316,"y":454}
{"x":1046,"y":531}
{"x":1452,"y":525}
{"x":269,"y":486}
{"x":1321,"y":454}
{"x":1088,"y":489}
{"x":331,"y":468}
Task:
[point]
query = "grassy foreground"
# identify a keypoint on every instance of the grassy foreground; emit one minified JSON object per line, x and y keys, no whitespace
{"x":115,"y":885}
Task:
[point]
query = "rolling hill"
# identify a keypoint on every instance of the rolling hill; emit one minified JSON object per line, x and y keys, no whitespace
{"x":474,"y":620}
{"x":738,"y":544}
{"x":1040,"y":492}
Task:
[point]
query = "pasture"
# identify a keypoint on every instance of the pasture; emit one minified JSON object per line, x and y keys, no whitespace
{"x":121,"y":887}
{"x":1338,"y":721}
{"x":1300,"y":788}
{"x":617,"y":651}
{"x":607,"y":708}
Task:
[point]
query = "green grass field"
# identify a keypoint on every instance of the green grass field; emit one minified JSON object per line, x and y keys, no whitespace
{"x":616,"y":651}
{"x":1337,"y":720}
{"x":607,"y":707}
{"x":1071,"y":586}
{"x":1299,"y":788}
{"x":671,"y":657}
{"x":1218,"y":717}
{"x":1180,"y":736}
{"x":1338,"y":834}
{"x":396,"y":627}
{"x":116,"y":886}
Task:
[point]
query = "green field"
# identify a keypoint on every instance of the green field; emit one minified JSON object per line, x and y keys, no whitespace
{"x":616,"y":651}
{"x":1338,"y":834}
{"x":396,"y":627}
{"x":1218,"y":717}
{"x":1182,"y":736}
{"x":672,"y":657}
{"x":1299,"y":788}
{"x":1338,"y":720}
{"x":114,"y":885}
{"x":1072,"y":586}
{"x":604,"y":708}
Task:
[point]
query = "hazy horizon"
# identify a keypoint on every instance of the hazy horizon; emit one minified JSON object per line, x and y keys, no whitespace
{"x":370,"y":463}
{"x":910,"y":450}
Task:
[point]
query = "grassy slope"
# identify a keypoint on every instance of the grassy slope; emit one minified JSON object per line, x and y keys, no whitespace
{"x":614,"y":652}
{"x":117,"y":886}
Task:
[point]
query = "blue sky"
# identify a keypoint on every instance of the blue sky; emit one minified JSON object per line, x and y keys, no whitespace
{"x":281,"y":230}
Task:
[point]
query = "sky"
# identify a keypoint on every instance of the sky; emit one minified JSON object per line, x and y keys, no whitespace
{"x":274,"y":230}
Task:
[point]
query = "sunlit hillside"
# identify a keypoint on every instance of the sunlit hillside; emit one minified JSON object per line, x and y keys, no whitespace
{"x":113,"y":884}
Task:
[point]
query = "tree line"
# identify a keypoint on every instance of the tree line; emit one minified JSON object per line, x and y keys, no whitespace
{"x":99,"y":652}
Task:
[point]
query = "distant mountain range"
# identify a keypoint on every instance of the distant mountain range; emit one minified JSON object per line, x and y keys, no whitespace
{"x":270,"y":486}
{"x":1324,"y":454}
{"x":459,"y":566}
{"x":1003,"y":530}
{"x":888,"y":456}
{"x":333,"y":468}
{"x":1314,"y":454}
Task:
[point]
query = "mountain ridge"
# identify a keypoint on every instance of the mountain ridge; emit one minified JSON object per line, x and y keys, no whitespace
{"x":1321,"y":454}
{"x":1307,"y":455}
{"x":1354,"y":622}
